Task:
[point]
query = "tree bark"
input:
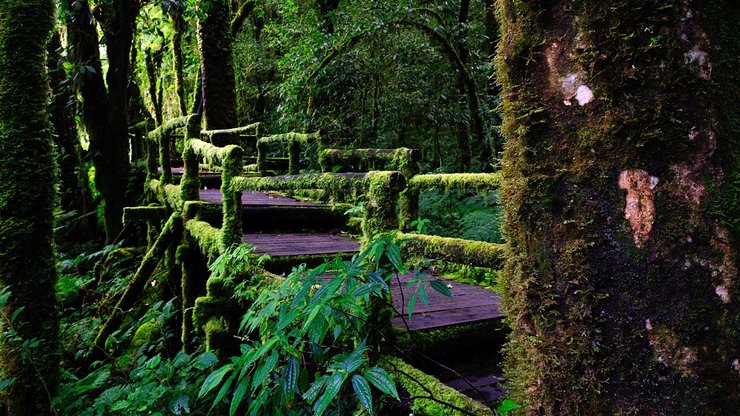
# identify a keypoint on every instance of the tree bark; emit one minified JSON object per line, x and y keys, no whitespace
{"x":217,"y":72}
{"x":105,"y":110}
{"x":27,"y":266}
{"x":621,"y":186}
{"x":74,"y":191}
{"x":178,"y":23}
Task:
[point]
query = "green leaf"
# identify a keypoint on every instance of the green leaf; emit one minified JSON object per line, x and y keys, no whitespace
{"x":333,"y":384}
{"x":356,"y":359}
{"x":441,"y":287}
{"x":423,"y":294}
{"x":507,"y":406}
{"x":412,"y":304}
{"x":290,"y":377}
{"x":362,"y":389}
{"x":205,"y":360}
{"x":264,"y":370}
{"x":315,"y":389}
{"x":214,"y":379}
{"x":238,"y":397}
{"x":382,"y":381}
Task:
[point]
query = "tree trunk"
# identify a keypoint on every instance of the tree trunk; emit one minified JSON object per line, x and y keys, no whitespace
{"x":463,"y":133}
{"x":217,"y":72}
{"x":74,"y":191}
{"x":178,"y":23}
{"x":621,"y":186}
{"x":105,"y":111}
{"x":27,"y":268}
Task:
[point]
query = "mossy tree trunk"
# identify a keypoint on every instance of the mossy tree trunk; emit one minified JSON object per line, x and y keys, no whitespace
{"x":178,"y":24}
{"x":217,"y":72}
{"x":26,"y":209}
{"x":621,"y":186}
{"x":74,"y":190}
{"x":105,"y":103}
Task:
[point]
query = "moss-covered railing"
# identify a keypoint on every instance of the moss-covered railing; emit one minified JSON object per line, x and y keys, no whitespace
{"x":245,"y":136}
{"x":477,"y":182}
{"x":229,"y":158}
{"x":291,"y":141}
{"x":380,"y":187}
{"x":158,"y":157}
{"x":402,"y":159}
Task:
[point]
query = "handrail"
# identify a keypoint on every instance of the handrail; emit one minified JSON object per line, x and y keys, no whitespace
{"x":402,"y":159}
{"x":479,"y":182}
{"x":230,"y":159}
{"x":381,"y":188}
{"x":228,"y":136}
{"x":293,"y":139}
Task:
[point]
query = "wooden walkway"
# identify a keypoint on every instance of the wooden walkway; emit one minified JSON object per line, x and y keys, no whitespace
{"x":250,"y":198}
{"x":469,"y":304}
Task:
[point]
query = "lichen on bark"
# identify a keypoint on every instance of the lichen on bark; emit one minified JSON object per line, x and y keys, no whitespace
{"x":582,"y":280}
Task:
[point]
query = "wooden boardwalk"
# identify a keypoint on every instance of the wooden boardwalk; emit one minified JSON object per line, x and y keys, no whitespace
{"x":469,"y":304}
{"x":250,"y":198}
{"x":300,"y":244}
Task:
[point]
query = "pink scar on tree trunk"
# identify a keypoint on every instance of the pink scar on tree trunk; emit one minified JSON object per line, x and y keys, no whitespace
{"x":639,"y":207}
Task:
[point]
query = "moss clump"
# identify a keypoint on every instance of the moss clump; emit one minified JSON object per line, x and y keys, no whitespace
{"x":455,"y":250}
{"x":421,"y":386}
{"x":208,"y":238}
{"x":146,"y":333}
{"x":481,"y":182}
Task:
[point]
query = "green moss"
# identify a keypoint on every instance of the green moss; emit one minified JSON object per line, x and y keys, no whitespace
{"x":401,"y":159}
{"x":456,"y":250}
{"x":341,"y":185}
{"x":208,"y":238}
{"x":146,"y":333}
{"x":172,"y":196}
{"x":291,"y":141}
{"x":458,"y":181}
{"x":383,"y":188}
{"x":421,"y":386}
{"x":229,"y":135}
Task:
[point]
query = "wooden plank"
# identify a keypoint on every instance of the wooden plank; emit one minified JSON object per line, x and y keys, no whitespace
{"x":250,"y":198}
{"x":470,"y":303}
{"x":300,"y":244}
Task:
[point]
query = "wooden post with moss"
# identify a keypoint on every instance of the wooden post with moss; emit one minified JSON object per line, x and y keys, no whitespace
{"x":27,"y":269}
{"x":382,"y":199}
{"x":621,"y":184}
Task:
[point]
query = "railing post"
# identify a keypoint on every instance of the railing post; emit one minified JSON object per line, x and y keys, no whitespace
{"x":164,"y":158}
{"x":231,"y":229}
{"x":294,"y":155}
{"x":262,"y":156}
{"x":382,"y":198}
{"x":190,"y":182}
{"x":409,"y":198}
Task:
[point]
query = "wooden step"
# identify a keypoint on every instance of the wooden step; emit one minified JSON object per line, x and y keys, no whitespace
{"x":300,"y":244}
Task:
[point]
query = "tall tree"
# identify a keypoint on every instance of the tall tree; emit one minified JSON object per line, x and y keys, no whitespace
{"x":217,"y":71}
{"x":105,"y":102}
{"x":26,"y":210}
{"x":622,"y":175}
{"x":74,"y":189}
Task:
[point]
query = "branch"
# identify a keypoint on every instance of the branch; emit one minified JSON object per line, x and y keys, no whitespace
{"x":241,"y":15}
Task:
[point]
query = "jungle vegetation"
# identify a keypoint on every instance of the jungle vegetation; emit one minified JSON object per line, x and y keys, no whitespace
{"x":581,"y":158}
